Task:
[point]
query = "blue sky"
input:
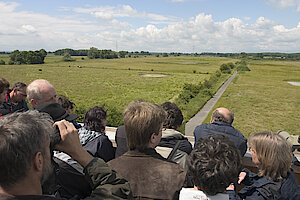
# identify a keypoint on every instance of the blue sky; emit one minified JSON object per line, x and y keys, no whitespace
{"x":156,"y":25}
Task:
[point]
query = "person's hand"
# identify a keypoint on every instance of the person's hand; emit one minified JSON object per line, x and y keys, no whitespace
{"x":69,"y":137}
{"x":230,"y":187}
{"x":242,"y":177}
{"x":70,"y":143}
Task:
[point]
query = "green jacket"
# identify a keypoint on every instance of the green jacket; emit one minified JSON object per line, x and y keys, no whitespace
{"x":106,"y":183}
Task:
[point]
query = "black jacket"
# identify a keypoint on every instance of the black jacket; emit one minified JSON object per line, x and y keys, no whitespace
{"x":10,"y":107}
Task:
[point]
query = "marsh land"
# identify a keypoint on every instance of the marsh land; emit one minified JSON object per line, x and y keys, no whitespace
{"x":261,"y":99}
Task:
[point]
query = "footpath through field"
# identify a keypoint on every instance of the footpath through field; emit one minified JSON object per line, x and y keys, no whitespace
{"x":202,"y":114}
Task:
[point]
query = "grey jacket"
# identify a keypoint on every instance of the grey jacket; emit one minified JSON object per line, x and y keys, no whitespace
{"x":169,"y":139}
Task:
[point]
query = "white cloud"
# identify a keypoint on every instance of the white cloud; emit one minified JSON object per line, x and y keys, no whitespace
{"x":25,"y":30}
{"x":285,"y":4}
{"x":8,"y":7}
{"x":120,"y":11}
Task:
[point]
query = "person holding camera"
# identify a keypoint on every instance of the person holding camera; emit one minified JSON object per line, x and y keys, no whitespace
{"x":25,"y":158}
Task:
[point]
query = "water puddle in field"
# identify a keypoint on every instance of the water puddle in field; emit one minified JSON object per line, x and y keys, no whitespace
{"x":154,"y":75}
{"x":294,"y":83}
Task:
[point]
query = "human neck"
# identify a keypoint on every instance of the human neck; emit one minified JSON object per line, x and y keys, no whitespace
{"x":24,"y":187}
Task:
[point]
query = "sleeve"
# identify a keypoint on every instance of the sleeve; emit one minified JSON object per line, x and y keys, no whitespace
{"x":106,"y":183}
{"x":250,"y":177}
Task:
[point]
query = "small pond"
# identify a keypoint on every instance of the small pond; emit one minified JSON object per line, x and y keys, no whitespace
{"x":294,"y":83}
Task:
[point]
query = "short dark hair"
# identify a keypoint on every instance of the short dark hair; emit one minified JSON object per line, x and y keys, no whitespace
{"x":141,"y":120}
{"x":218,"y":117}
{"x":19,"y":85}
{"x":174,"y":115}
{"x":65,"y":102}
{"x":4,"y":84}
{"x":22,"y":135}
{"x":94,"y":119}
{"x":214,"y":164}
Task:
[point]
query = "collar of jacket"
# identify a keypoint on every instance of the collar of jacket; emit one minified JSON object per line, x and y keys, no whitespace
{"x":172,"y":133}
{"x":149,"y":152}
{"x":221,"y":123}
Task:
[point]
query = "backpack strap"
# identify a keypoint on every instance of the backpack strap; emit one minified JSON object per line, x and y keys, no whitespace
{"x":172,"y":153}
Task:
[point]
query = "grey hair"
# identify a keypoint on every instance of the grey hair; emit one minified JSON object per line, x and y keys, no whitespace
{"x":218,"y":117}
{"x":22,"y":135}
{"x":33,"y":89}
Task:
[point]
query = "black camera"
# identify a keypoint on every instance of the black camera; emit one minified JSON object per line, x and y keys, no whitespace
{"x":55,"y":138}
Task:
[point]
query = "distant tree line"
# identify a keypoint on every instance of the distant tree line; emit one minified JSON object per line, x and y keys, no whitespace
{"x":71,"y":52}
{"x":94,"y":53}
{"x":27,"y":57}
{"x":257,"y":56}
{"x":36,"y":57}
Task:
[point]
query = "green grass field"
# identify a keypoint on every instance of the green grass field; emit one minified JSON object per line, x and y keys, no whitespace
{"x":116,"y":82}
{"x":262,"y":100}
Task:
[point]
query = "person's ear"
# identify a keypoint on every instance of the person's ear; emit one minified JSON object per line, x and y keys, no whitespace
{"x":152,"y":138}
{"x":33,"y":103}
{"x":38,"y":162}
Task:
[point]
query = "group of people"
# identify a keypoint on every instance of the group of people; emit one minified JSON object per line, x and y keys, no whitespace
{"x":46,"y":154}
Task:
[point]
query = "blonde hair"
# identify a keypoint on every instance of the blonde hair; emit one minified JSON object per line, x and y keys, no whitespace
{"x":273,"y":153}
{"x":141,"y":120}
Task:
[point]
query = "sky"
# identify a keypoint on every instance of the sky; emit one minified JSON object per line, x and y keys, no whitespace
{"x":186,"y":26}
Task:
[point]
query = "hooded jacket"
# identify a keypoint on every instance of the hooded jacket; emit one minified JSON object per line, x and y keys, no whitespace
{"x":168,"y":140}
{"x":97,"y":144}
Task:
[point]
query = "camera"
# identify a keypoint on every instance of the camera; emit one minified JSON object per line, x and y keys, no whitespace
{"x":55,"y":138}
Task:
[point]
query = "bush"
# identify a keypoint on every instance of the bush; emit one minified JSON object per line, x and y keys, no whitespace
{"x":2,"y":62}
{"x":243,"y":68}
{"x":114,"y":118}
{"x":164,"y":55}
{"x":225,"y":69}
{"x":27,"y":57}
{"x":218,"y":73}
{"x":67,"y":58}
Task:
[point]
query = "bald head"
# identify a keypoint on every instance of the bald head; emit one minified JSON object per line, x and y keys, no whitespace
{"x":222,"y":115}
{"x":41,"y":91}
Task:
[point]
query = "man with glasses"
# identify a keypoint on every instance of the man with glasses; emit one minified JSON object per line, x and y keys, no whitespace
{"x":15,"y":99}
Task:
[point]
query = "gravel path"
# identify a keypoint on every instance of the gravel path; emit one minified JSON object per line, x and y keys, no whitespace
{"x":202,"y":114}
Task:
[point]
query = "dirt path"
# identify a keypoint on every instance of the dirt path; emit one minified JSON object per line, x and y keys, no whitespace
{"x":202,"y":114}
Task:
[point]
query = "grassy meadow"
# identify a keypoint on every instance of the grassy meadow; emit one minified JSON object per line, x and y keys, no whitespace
{"x":116,"y":82}
{"x":262,"y":100}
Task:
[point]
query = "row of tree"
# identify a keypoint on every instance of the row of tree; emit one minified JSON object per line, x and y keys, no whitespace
{"x":123,"y":54}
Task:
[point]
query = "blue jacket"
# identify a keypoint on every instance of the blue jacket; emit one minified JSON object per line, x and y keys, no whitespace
{"x":205,"y":130}
{"x":259,"y":188}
